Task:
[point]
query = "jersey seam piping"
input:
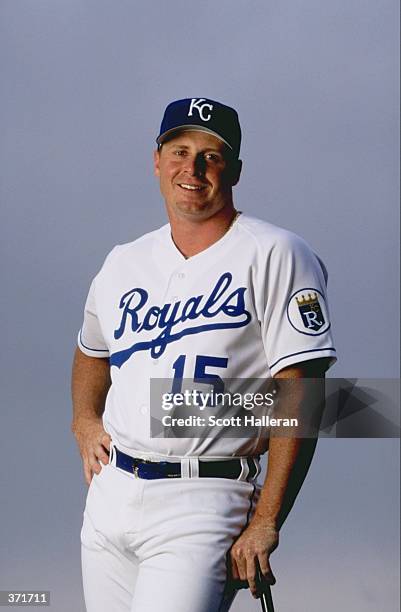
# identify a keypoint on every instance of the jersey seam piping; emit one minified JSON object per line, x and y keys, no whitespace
{"x":88,"y":347}
{"x":330,"y":348}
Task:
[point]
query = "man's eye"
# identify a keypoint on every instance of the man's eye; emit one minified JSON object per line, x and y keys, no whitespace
{"x":179,"y":152}
{"x":212,"y":157}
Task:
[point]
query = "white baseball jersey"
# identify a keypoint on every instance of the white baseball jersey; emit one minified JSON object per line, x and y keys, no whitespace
{"x":249,"y":305}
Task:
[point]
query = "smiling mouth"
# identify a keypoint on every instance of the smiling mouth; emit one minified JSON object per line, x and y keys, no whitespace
{"x":189,"y":187}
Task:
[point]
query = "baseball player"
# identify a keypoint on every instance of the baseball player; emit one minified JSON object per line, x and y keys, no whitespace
{"x":173,"y":524}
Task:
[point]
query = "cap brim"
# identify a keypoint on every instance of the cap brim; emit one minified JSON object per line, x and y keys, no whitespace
{"x":190,"y":128}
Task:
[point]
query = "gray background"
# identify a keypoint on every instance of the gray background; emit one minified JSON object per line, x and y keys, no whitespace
{"x":84,"y":85}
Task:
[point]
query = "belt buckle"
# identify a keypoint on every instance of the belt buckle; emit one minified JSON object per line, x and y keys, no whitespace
{"x":136,"y":470}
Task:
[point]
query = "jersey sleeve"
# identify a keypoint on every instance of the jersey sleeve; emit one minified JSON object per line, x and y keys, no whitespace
{"x":296,"y":325}
{"x":90,"y":338}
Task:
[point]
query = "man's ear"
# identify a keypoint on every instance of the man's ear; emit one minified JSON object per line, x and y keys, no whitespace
{"x":236,"y":171}
{"x":156,"y":162}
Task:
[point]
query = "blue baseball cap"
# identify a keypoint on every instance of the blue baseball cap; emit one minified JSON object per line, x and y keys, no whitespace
{"x":203,"y":115}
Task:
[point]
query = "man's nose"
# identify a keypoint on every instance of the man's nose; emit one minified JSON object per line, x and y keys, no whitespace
{"x":195,"y":165}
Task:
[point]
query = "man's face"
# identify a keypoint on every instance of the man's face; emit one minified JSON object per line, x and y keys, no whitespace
{"x":196,"y":174}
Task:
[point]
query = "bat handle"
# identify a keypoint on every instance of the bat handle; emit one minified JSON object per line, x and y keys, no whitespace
{"x":266,"y":599}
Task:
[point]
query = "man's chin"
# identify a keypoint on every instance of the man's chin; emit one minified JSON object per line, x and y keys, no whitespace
{"x":193,"y":209}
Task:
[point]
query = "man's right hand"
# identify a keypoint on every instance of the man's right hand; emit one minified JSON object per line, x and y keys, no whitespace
{"x":94,"y":445}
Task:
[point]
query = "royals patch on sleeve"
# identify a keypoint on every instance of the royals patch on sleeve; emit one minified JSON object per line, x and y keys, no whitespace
{"x":307,"y":312}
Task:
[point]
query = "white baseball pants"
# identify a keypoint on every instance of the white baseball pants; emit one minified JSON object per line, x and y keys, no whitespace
{"x":160,"y":545}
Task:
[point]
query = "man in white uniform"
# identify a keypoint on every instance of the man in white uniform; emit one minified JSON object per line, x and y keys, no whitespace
{"x":214,"y":295}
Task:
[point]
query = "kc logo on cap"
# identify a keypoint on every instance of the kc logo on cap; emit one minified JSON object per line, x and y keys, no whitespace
{"x":196,"y":104}
{"x":205,"y":115}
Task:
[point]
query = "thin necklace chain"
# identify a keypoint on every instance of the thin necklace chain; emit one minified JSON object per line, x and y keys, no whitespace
{"x":237,"y":214}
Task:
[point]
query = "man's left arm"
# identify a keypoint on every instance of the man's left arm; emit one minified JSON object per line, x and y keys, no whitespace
{"x":289,"y":459}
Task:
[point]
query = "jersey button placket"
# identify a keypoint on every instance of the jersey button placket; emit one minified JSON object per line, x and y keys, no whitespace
{"x":176,"y":286}
{"x":180,"y":277}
